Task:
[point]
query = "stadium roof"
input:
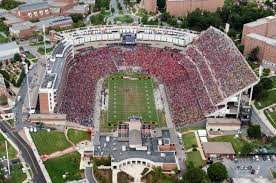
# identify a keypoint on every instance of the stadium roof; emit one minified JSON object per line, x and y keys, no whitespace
{"x":223,"y":121}
{"x":33,"y":6}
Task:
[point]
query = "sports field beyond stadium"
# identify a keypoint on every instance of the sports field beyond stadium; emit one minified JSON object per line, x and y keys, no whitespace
{"x":131,"y":95}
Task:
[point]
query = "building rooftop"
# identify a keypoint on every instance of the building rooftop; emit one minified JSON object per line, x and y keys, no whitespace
{"x":33,"y":6}
{"x":48,"y":81}
{"x":22,"y":26}
{"x":218,"y":148}
{"x":223,"y":121}
{"x":114,"y":148}
{"x":53,"y":21}
{"x":261,"y":21}
{"x":262,"y":38}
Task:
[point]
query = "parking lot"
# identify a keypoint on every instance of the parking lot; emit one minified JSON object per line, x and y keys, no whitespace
{"x":249,"y":168}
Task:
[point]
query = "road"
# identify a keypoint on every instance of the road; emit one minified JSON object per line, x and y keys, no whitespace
{"x":89,"y":175}
{"x":37,"y":70}
{"x":26,"y":151}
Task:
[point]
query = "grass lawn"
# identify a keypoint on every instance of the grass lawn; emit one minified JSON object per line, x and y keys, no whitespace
{"x":12,"y":152}
{"x":274,"y":82}
{"x":3,"y":39}
{"x":17,"y":175}
{"x":236,"y":143}
{"x":30,"y":56}
{"x":76,"y":136}
{"x":141,"y":12}
{"x":68,"y":163}
{"x":192,"y":128}
{"x":11,"y":122}
{"x":131,"y":95}
{"x":271,"y":116}
{"x":194,"y":156}
{"x":267,"y":100}
{"x":188,"y":140}
{"x":124,"y":19}
{"x":41,"y":50}
{"x":50,"y":142}
{"x":34,"y":60}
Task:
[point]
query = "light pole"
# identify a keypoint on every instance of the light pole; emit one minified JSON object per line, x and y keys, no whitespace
{"x":28,"y":90}
{"x":8,"y":162}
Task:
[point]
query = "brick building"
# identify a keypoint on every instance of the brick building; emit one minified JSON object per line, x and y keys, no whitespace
{"x":33,"y":11}
{"x":22,"y":30}
{"x":149,"y":5}
{"x":182,"y":7}
{"x":261,"y":33}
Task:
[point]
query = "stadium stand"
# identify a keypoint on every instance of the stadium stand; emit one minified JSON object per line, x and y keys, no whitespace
{"x":198,"y":78}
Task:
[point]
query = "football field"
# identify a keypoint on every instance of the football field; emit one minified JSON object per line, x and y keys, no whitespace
{"x":131,"y":95}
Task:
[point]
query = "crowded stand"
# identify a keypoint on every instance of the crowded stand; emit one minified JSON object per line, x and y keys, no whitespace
{"x":230,"y":68}
{"x":197,"y":78}
{"x":79,"y":95}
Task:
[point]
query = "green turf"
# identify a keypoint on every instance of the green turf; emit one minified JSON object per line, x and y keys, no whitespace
{"x":50,"y":142}
{"x":12,"y":152}
{"x":17,"y":175}
{"x":271,"y":116}
{"x":195,"y":158}
{"x":188,"y":140}
{"x":268,"y":100}
{"x":70,"y":163}
{"x":76,"y":136}
{"x":236,"y":143}
{"x":129,"y":98}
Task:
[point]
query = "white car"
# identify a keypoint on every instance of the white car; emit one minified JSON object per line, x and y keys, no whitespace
{"x":18,"y":98}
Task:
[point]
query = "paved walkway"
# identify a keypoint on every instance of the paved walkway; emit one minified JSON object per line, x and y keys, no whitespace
{"x":263,"y":121}
{"x":135,"y":171}
{"x":61,"y":153}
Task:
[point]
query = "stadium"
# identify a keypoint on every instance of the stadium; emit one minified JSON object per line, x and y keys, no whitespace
{"x":101,"y":76}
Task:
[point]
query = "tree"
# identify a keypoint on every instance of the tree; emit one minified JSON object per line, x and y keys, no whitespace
{"x":76,"y":17}
{"x":272,"y":140}
{"x":161,"y":4}
{"x":247,"y":148}
{"x":266,"y":83}
{"x":17,"y":57}
{"x":195,"y":175}
{"x":10,"y":4}
{"x":5,"y":74}
{"x":254,"y":132}
{"x":253,"y":55}
{"x":217,"y":172}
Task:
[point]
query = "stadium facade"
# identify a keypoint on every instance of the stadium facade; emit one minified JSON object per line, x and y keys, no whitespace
{"x":221,"y":72}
